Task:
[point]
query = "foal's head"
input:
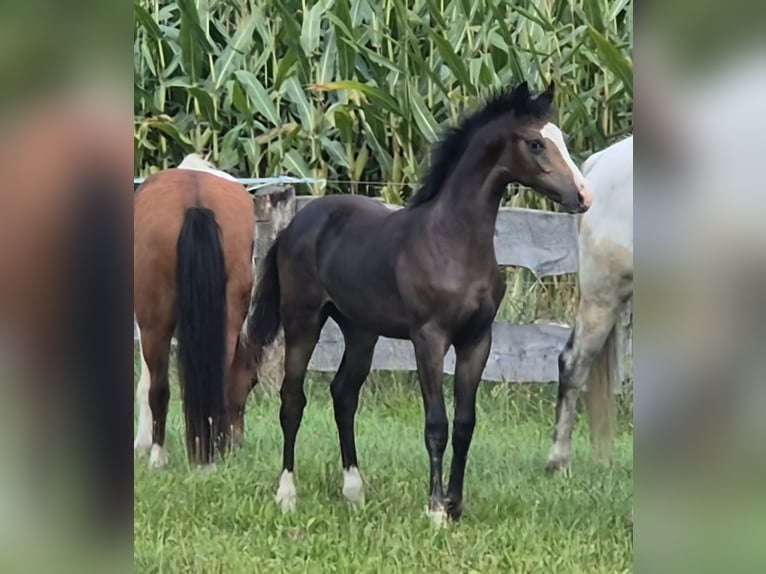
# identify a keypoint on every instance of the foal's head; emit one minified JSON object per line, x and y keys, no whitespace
{"x":534,"y":152}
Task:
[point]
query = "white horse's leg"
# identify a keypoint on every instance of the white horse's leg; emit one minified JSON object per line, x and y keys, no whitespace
{"x":143,"y":442}
{"x":595,"y":319}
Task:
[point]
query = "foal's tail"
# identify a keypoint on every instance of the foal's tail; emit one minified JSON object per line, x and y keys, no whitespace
{"x":201,"y":332}
{"x":264,"y":318}
{"x":600,"y":397}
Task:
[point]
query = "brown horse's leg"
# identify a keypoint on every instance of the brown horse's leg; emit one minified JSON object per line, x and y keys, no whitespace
{"x":302,"y":330}
{"x":143,"y":442}
{"x":156,"y":350}
{"x":471,"y":360}
{"x":240,"y":378}
{"x":354,"y":368}
{"x":430,"y":347}
{"x":240,"y":382}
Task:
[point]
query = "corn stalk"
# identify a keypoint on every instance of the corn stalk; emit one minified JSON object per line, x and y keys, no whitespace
{"x":358,"y":90}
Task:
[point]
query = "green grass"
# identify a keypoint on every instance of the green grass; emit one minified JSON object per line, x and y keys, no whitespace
{"x":516,"y":519}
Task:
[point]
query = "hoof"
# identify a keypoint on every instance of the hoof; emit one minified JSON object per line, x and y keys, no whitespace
{"x":286,"y":496}
{"x":557,"y":466}
{"x":437,"y":515}
{"x":559,"y":459}
{"x":158,"y":458}
{"x":142,"y":446}
{"x":353,"y":486}
{"x":455,"y":510}
{"x":237,"y":439}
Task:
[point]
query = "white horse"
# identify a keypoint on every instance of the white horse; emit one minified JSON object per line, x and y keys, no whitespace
{"x":605,"y":275}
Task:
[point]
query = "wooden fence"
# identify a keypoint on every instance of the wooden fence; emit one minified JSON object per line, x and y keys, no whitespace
{"x":542,"y":241}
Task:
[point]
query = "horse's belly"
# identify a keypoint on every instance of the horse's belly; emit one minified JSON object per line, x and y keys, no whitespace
{"x":364,"y":291}
{"x":372,"y":316}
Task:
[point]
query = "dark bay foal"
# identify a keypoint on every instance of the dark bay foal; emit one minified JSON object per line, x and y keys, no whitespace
{"x":426,"y":273}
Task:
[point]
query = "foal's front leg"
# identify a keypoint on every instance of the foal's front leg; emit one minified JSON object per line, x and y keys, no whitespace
{"x":430,"y":347}
{"x":471,"y":360}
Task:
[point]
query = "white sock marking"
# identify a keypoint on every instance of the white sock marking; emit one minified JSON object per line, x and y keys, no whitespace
{"x":286,"y":495}
{"x":158,"y":458}
{"x":438,"y":517}
{"x":353,"y":486}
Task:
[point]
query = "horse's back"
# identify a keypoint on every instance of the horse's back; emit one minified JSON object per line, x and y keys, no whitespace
{"x":331,"y":249}
{"x":340,"y":206}
{"x":164,"y":198}
{"x":610,"y":174}
{"x":328,"y":217}
{"x":160,"y":207}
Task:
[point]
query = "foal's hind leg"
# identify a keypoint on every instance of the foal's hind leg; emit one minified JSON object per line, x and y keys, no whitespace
{"x":595,"y":320}
{"x":348,"y":381}
{"x":301,"y":335}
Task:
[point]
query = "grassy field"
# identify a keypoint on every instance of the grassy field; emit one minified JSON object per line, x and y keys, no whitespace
{"x":516,"y":519}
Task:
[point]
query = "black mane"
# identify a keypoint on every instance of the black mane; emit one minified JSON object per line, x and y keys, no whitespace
{"x":446,"y":153}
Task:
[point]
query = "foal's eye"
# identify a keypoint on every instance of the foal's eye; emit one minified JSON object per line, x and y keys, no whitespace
{"x":536,"y":146}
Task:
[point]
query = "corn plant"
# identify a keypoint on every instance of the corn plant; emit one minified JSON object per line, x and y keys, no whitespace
{"x":357,"y":90}
{"x":354,"y":92}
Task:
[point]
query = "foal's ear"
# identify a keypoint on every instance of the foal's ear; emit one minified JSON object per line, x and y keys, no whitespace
{"x":520,"y":95}
{"x":547,"y":96}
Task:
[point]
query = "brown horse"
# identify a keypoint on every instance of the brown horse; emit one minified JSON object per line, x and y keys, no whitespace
{"x":193,"y":275}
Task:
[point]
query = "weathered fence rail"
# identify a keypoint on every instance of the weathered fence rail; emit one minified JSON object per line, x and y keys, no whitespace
{"x":520,"y":353}
{"x":544,"y":242}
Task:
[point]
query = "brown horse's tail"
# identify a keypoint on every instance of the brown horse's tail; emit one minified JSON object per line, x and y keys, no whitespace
{"x":264,"y":318}
{"x":201,"y":332}
{"x":600,"y":398}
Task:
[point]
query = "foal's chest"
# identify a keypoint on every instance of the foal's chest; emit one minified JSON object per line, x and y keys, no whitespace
{"x":474,"y":303}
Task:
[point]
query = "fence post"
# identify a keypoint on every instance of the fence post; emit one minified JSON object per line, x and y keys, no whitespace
{"x":274,"y":209}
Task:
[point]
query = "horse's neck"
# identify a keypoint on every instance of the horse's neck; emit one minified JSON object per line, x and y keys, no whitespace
{"x":471,"y":200}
